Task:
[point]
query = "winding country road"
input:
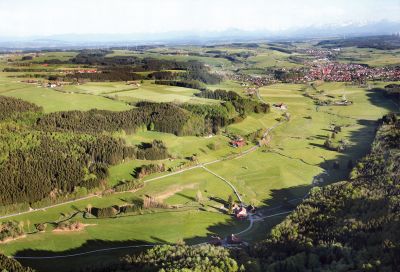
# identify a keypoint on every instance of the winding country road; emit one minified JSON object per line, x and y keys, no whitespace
{"x":127,"y":247}
{"x":202,"y":165}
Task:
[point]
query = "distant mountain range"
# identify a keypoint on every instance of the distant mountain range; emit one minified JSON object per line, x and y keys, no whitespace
{"x":229,"y":35}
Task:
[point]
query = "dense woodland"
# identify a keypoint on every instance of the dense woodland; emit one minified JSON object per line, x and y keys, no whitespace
{"x":10,"y":230}
{"x":109,"y":74}
{"x":169,"y":258}
{"x":46,"y":156}
{"x":393,"y":91}
{"x":186,"y":119}
{"x":379,"y":42}
{"x":163,"y":117}
{"x":122,"y":68}
{"x":348,"y":226}
{"x":12,"y":107}
{"x":11,"y":265}
{"x":242,"y":105}
{"x":41,"y":160}
{"x":55,"y":164}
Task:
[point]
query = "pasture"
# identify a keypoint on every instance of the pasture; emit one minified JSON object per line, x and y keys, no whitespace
{"x":294,"y":160}
{"x":147,"y":91}
{"x":272,"y":58}
{"x":369,"y":56}
{"x":52,"y":100}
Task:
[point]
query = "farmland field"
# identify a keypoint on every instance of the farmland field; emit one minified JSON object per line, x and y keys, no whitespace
{"x":219,"y":151}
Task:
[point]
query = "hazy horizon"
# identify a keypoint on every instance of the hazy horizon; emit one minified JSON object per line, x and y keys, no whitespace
{"x":22,"y":18}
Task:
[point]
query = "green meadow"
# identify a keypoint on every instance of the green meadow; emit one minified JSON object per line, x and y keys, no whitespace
{"x":294,"y":160}
{"x":147,"y":91}
{"x":283,"y":170}
{"x":372,"y":57}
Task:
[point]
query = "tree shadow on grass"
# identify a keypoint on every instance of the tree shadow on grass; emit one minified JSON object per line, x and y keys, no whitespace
{"x":109,"y":252}
{"x":281,"y":200}
{"x":288,"y":198}
{"x":378,"y":97}
{"x":116,"y":250}
{"x":192,"y":199}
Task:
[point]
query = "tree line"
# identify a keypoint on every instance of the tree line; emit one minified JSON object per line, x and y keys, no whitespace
{"x":241,"y":104}
{"x":9,"y":264}
{"x":162,"y":117}
{"x":347,"y":226}
{"x":10,"y":107}
{"x":54,"y":167}
{"x":205,"y":258}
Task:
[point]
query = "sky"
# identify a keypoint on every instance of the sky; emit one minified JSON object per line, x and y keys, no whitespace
{"x":21,"y":18}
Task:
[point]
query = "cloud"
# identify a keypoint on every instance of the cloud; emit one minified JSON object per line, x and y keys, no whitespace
{"x":48,"y":17}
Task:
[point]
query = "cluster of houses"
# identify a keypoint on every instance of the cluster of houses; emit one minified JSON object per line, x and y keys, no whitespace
{"x":320,"y":54}
{"x":46,"y":84}
{"x":80,"y":71}
{"x":253,"y":80}
{"x":87,"y":71}
{"x":55,"y":84}
{"x":40,"y":83}
{"x":240,"y":212}
{"x":334,"y":71}
{"x":230,"y":240}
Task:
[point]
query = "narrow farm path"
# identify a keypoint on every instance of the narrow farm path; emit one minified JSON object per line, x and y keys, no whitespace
{"x":203,"y":166}
{"x":227,"y":182}
{"x":244,"y":153}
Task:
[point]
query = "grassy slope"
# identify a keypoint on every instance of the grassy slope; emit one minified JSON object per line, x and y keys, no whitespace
{"x":372,"y":57}
{"x":52,"y":100}
{"x":175,"y":226}
{"x":147,"y":91}
{"x":260,"y":176}
{"x":275,"y":177}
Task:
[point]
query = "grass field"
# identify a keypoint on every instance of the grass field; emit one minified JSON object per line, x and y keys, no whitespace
{"x":372,"y":57}
{"x":147,"y":91}
{"x":272,"y":58}
{"x":285,"y":169}
{"x":220,"y":62}
{"x":52,"y":100}
{"x":192,"y":225}
{"x":228,"y":85}
{"x":63,"y":56}
{"x":170,"y":227}
{"x":267,"y":177}
{"x":181,"y":147}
